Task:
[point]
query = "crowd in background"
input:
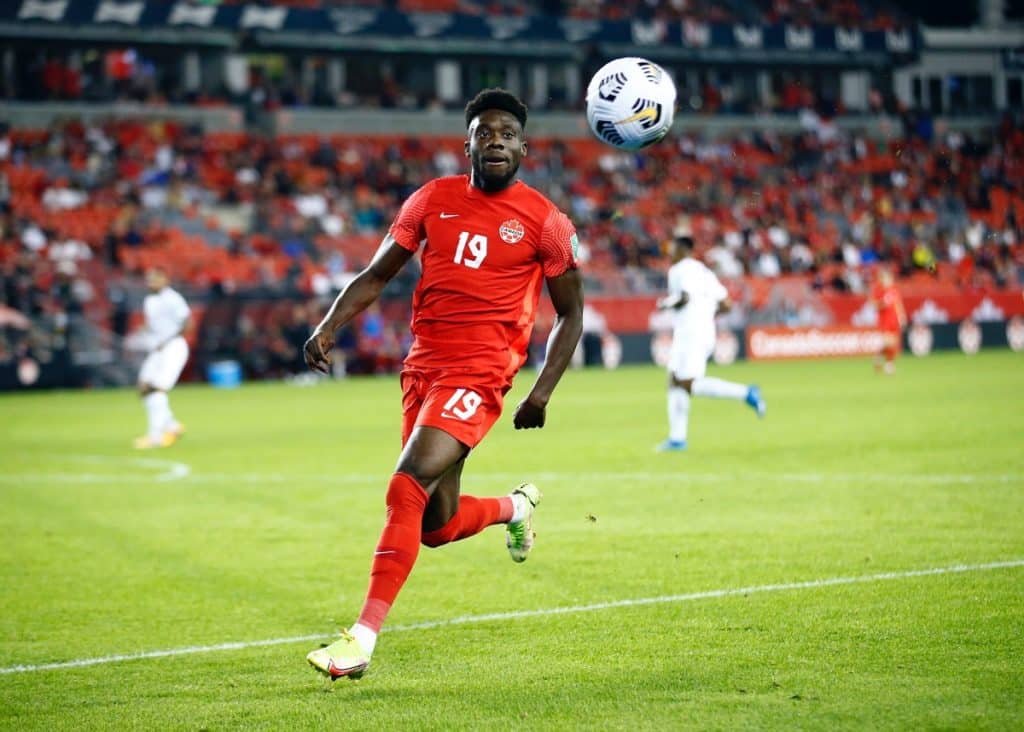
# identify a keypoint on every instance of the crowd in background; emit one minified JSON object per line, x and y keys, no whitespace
{"x":84,"y":208}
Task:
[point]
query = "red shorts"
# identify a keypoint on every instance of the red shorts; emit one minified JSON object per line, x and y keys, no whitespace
{"x":463,"y":405}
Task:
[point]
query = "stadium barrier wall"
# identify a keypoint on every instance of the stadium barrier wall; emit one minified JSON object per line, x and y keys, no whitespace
{"x":564,"y":125}
{"x":64,"y":370}
{"x":572,"y":125}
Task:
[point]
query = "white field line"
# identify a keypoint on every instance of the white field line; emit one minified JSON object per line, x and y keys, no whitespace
{"x":159,"y":470}
{"x":518,"y":614}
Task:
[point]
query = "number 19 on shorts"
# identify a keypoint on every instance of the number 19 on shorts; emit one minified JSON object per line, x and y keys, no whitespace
{"x":463,"y":404}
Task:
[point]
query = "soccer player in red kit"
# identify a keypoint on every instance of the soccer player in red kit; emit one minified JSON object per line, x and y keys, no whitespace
{"x":892,"y":318}
{"x":487,"y":243}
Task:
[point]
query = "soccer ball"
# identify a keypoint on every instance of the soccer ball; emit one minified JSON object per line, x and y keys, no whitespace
{"x":631,"y":103}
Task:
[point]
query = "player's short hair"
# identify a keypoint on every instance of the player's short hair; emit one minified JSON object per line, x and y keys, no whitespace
{"x":501,"y":99}
{"x":686,"y":242}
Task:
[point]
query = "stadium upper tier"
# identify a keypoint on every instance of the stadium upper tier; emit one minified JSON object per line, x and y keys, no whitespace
{"x":812,"y":12}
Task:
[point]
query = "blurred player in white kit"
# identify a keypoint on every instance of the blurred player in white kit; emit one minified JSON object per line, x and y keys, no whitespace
{"x":696,"y":297}
{"x":167,"y":317}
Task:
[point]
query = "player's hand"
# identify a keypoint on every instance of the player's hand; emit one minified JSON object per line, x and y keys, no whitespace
{"x":317,"y":351}
{"x":528,"y":415}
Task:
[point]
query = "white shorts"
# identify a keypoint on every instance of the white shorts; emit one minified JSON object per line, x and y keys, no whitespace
{"x":163,"y":366}
{"x":688,"y":358}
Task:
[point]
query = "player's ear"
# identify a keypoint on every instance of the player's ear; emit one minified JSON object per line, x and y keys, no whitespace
{"x":522,"y":148}
{"x":466,"y":146}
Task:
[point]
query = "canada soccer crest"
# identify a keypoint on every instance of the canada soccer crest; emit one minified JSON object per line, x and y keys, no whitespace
{"x":511,"y":231}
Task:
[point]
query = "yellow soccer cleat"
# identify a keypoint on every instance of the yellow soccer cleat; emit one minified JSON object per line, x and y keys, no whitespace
{"x":344,"y":657}
{"x":145,"y":443}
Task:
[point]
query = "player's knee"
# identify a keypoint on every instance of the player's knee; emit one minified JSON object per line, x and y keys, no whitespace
{"x":678,"y":383}
{"x":439,"y":537}
{"x":423,"y":473}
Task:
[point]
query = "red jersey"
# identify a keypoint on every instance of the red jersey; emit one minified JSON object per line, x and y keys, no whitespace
{"x":485,"y":257}
{"x":888,"y":302}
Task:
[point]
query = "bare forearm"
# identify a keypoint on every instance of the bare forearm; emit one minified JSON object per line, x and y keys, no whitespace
{"x":356,"y":297}
{"x":564,"y":337}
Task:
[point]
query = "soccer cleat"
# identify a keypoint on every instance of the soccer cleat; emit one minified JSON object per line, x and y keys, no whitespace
{"x":519,"y":535}
{"x":671,"y":446}
{"x":756,"y":401}
{"x":344,"y":657}
{"x":145,"y":443}
{"x":177,"y":429}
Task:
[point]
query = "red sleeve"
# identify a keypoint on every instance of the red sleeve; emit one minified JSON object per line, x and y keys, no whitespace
{"x":558,"y":244}
{"x":407,"y":228}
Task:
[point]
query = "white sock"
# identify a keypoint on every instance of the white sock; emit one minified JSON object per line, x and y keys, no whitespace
{"x":719,"y":388}
{"x":520,"y":507}
{"x":366,"y":637}
{"x":678,"y":413}
{"x":171,"y":423}
{"x":157,"y":411}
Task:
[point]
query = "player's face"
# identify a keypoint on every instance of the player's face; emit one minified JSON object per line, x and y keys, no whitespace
{"x":677,"y":251}
{"x":156,"y":280}
{"x":495,"y":148}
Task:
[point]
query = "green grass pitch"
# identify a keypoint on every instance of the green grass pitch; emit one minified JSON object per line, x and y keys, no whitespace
{"x":260,"y":524}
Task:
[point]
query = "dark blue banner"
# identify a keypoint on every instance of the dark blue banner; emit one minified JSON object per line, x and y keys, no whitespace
{"x":340,"y":23}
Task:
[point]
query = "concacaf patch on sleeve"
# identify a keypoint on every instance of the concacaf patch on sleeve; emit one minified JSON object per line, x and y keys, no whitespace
{"x":574,"y":241}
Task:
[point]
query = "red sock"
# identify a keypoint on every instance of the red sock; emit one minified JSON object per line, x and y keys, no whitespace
{"x":474,"y":515}
{"x":397,"y":549}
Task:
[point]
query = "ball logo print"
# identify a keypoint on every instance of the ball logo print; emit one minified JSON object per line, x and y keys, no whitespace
{"x":610,"y":86}
{"x":630,"y":103}
{"x":511,"y":231}
{"x":646,"y":112}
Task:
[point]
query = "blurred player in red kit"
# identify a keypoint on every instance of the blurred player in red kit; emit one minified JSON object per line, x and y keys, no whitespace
{"x":892,"y":319}
{"x":488,"y":243}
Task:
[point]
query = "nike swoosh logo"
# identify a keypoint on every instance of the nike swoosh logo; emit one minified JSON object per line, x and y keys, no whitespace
{"x":448,"y":216}
{"x":643,"y":114}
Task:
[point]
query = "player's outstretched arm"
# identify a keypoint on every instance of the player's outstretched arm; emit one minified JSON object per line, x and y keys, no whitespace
{"x":364,"y":288}
{"x":566,"y":292}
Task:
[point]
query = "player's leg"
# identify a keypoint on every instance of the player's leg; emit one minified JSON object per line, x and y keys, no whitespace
{"x":428,"y":456}
{"x":154,"y":402}
{"x":678,"y":413}
{"x":150,"y":403}
{"x":682,"y":367}
{"x":890,"y":348}
{"x":174,"y":359}
{"x":451,"y":516}
{"x":158,"y":375}
{"x":429,"y":453}
{"x":709,"y":386}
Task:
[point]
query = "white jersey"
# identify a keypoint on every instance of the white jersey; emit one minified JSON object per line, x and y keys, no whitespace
{"x":166,"y":312}
{"x":696,"y":319}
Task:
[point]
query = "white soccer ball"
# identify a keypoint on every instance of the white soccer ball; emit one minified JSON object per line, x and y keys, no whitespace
{"x":630,"y":103}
